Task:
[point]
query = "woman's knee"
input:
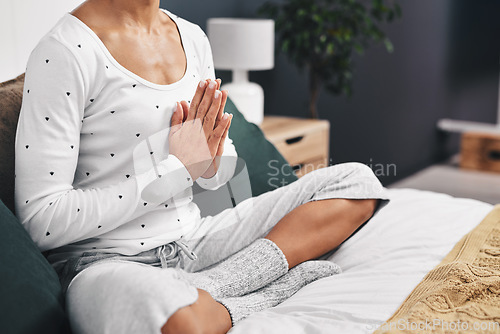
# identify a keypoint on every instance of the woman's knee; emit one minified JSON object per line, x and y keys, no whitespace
{"x":125,"y":297}
{"x":341,"y":171}
{"x":354,"y":168}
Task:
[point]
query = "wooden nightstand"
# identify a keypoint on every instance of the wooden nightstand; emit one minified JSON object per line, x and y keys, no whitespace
{"x":480,"y":151}
{"x":303,"y":142}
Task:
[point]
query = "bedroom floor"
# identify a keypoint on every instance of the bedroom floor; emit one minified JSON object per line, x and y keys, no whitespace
{"x":448,"y":178}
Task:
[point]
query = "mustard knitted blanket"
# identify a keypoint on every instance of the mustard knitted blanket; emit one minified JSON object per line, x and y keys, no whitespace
{"x":461,"y":294}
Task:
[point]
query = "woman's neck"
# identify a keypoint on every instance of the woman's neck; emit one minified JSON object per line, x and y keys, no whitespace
{"x":144,"y":14}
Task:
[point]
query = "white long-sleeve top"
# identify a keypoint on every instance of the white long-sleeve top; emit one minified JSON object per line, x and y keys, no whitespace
{"x":92,"y":136}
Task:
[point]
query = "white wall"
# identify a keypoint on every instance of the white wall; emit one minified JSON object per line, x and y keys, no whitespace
{"x":22,"y":24}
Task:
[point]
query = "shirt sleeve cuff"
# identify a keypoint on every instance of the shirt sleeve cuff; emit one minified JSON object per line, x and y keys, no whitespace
{"x":168,"y":179}
{"x":212,"y":183}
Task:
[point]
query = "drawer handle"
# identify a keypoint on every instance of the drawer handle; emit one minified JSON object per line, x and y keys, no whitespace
{"x":494,"y":155}
{"x":294,"y":140}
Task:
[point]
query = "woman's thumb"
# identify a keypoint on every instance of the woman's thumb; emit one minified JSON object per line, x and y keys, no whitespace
{"x":177,"y":116}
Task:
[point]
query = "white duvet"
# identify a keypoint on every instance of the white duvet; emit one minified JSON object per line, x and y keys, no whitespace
{"x":382,"y":263}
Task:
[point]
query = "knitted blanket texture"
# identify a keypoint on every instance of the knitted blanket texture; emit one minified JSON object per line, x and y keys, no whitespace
{"x":461,"y":294}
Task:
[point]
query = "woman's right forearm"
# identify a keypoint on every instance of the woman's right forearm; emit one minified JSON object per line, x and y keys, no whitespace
{"x":62,"y":217}
{"x":56,"y":215}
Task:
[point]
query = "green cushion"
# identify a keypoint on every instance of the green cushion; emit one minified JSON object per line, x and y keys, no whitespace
{"x":267,"y":168}
{"x":30,"y":293}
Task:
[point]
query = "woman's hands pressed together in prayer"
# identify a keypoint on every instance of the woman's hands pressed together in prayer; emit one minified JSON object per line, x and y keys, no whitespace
{"x":198,"y":130}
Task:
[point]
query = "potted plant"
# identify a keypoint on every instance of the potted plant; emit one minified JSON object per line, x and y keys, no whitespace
{"x":321,"y":35}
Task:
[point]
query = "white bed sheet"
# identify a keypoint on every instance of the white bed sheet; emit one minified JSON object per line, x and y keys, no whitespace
{"x":382,"y":264}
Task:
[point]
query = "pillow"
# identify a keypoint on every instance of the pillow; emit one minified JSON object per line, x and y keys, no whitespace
{"x":267,"y":168}
{"x":30,"y":292}
{"x":11,"y":95}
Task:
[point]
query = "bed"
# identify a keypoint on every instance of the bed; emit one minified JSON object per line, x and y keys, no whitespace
{"x":382,"y":263}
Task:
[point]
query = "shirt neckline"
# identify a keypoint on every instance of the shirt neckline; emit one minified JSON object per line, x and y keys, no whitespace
{"x":131,"y":74}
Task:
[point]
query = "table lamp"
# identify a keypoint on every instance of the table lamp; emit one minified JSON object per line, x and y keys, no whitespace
{"x":243,"y":45}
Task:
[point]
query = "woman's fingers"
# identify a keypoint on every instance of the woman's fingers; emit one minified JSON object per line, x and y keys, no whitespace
{"x":177,"y":117}
{"x":206,"y":102}
{"x":211,"y":115}
{"x":222,"y":107}
{"x":185,"y":109}
{"x":216,"y":136}
{"x":195,"y":102}
{"x":220,"y":150}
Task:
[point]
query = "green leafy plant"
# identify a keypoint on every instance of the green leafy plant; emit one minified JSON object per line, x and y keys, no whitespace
{"x":321,"y":35}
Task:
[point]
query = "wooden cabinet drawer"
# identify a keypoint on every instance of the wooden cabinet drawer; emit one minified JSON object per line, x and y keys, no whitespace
{"x":480,"y":151}
{"x":304,"y":147}
{"x":304,"y":143}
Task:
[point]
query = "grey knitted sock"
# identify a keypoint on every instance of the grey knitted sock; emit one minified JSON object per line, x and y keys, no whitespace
{"x":278,"y":291}
{"x":245,"y":271}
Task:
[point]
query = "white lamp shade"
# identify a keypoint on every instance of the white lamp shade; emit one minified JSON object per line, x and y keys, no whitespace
{"x":246,"y":44}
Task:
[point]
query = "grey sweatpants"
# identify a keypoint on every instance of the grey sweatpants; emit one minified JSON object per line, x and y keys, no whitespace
{"x":121,"y":296}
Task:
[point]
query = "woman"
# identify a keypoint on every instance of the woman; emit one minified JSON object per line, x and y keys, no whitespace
{"x":105,"y":159}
